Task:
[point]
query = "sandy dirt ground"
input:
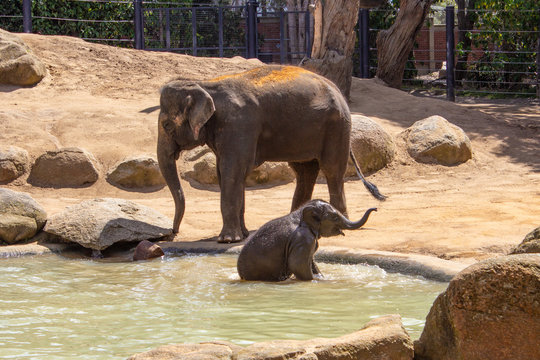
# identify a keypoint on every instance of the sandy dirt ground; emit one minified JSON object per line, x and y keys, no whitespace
{"x":95,"y":96}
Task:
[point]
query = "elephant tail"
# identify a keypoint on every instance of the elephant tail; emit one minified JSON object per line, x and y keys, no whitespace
{"x":372,"y":188}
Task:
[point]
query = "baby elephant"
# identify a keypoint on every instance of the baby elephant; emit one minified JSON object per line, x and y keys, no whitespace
{"x":285,"y":246}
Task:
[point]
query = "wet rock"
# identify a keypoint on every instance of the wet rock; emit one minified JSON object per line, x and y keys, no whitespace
{"x":372,"y":146}
{"x":381,"y":338}
{"x":435,"y":140}
{"x":18,"y":66}
{"x":21,"y":217}
{"x":68,"y":167}
{"x":490,"y":310}
{"x":147,"y":250}
{"x":99,"y":223}
{"x":137,"y":173}
{"x":200,"y":165}
{"x":14,"y":162}
{"x":530,"y":244}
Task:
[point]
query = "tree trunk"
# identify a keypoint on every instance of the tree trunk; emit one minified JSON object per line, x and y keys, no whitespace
{"x":395,"y":44}
{"x":466,"y":19}
{"x":333,"y":41}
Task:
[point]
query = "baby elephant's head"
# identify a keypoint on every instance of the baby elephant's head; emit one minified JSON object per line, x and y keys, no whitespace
{"x":325,"y":221}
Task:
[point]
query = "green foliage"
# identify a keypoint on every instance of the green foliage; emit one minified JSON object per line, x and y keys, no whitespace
{"x":506,"y":35}
{"x":12,"y":16}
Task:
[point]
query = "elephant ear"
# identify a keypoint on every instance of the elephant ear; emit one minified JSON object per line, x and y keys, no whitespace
{"x":312,"y":216}
{"x":199,"y":109}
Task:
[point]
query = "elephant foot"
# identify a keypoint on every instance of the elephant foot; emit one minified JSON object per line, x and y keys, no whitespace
{"x":227,"y":237}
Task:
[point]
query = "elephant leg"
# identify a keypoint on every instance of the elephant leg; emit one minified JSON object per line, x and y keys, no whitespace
{"x":232,"y":184}
{"x":306,"y":176}
{"x":245,"y":231}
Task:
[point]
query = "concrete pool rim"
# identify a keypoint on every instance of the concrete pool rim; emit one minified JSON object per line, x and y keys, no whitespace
{"x":429,"y":267}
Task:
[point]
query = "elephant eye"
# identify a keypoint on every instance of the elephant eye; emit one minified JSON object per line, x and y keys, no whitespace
{"x":168,"y":126}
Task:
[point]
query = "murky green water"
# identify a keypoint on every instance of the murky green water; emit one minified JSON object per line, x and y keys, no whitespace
{"x":55,"y":308}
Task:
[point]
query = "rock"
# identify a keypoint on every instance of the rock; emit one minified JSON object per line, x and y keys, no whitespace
{"x":14,"y":162}
{"x":435,"y":140}
{"x":147,"y":250}
{"x":21,"y":217}
{"x":381,"y":338}
{"x":99,"y":223}
{"x":200,"y":165}
{"x":18,"y":66}
{"x":530,"y":244}
{"x":219,"y":350}
{"x":490,"y":310}
{"x":372,"y":146}
{"x":137,"y":172}
{"x":68,"y":167}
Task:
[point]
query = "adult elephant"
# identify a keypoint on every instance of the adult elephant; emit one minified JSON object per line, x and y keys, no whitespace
{"x":270,"y":113}
{"x":286,"y":245}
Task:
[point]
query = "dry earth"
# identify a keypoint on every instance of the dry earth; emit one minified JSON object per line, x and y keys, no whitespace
{"x":95,"y":96}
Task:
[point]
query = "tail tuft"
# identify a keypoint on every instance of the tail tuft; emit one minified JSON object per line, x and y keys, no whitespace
{"x":372,"y":188}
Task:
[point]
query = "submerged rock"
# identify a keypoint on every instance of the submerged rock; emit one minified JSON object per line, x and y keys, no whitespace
{"x":490,"y":310}
{"x":381,"y":338}
{"x":21,"y":217}
{"x":147,"y":250}
{"x":99,"y":223}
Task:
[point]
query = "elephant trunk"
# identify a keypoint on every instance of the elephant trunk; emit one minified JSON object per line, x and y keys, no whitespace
{"x":351,"y":225}
{"x":166,"y":153}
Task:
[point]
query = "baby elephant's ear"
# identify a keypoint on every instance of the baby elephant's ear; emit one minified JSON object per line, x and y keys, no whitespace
{"x":312,"y":216}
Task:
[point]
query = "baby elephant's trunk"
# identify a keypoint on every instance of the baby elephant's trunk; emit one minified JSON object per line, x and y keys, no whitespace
{"x":351,"y":225}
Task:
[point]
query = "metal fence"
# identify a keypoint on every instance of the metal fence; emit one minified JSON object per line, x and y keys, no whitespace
{"x":439,"y":62}
{"x":496,"y":63}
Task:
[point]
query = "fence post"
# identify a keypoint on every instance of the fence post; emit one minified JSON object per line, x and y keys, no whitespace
{"x":27,"y":16}
{"x":194,"y":30}
{"x":282,"y":44}
{"x":220,"y":25}
{"x":308,"y":34}
{"x":538,"y":60}
{"x":138,"y":24}
{"x":252,"y":28}
{"x":450,"y":47}
{"x":363,"y":42}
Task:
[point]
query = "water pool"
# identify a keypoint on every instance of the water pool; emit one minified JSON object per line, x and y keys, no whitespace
{"x":57,"y":308}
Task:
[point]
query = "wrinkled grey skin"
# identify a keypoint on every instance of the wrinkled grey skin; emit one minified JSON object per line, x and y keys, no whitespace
{"x":285,"y":246}
{"x":271,"y":113}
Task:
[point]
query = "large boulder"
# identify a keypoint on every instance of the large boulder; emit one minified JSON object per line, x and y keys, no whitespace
{"x":14,"y":162}
{"x":67,"y":167}
{"x":21,"y":217}
{"x":490,"y":310}
{"x":99,"y":223}
{"x":381,"y":338}
{"x":200,"y":165}
{"x":530,"y":244}
{"x":18,"y":66}
{"x":435,"y":140}
{"x":136,"y":173}
{"x":372,"y":146}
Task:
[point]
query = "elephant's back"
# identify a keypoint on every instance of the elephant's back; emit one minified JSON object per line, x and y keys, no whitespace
{"x":264,"y":255}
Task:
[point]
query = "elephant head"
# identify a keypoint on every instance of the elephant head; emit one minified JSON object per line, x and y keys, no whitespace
{"x":324,"y":220}
{"x":185,"y":109}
